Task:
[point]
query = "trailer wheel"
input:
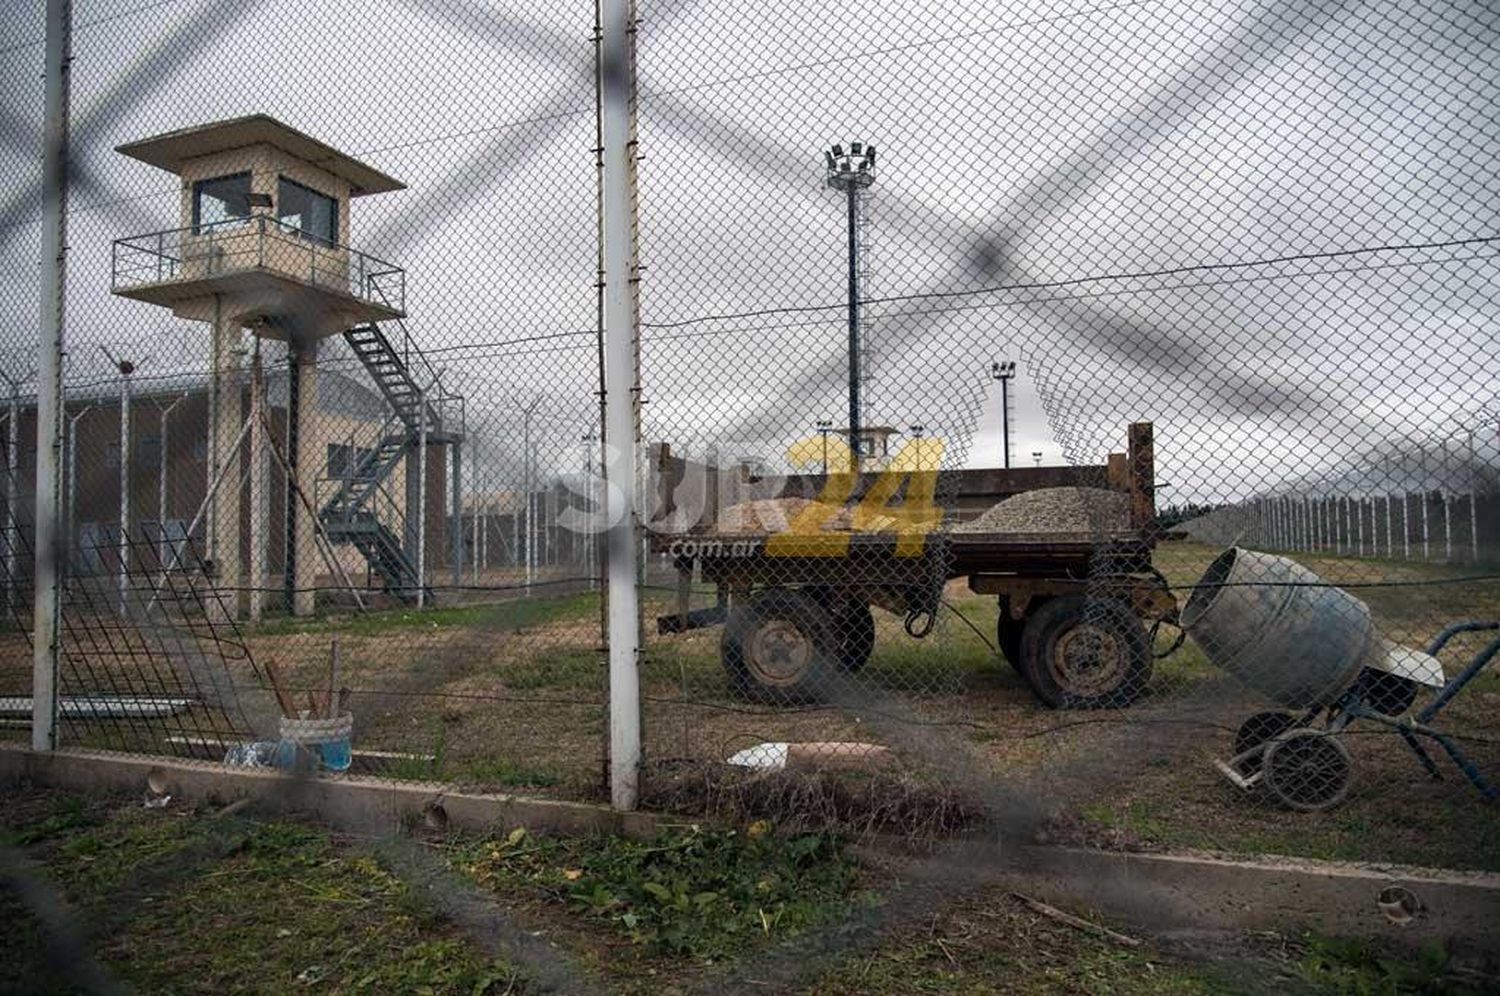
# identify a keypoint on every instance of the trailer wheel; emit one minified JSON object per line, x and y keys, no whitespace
{"x":854,"y":625}
{"x":1086,"y":653}
{"x":780,"y":647}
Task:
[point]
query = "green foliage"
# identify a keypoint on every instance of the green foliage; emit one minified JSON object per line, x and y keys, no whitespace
{"x":702,"y":893}
{"x":182,"y":903}
{"x":503,"y":771}
{"x":512,"y":615}
{"x":66,"y":813}
{"x":1363,"y":967}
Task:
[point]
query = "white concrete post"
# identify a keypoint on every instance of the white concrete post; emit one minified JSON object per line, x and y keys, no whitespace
{"x":12,"y":494}
{"x":421,"y":499}
{"x":71,"y":511}
{"x":50,"y":548}
{"x":621,"y":378}
{"x":1390,"y":538}
{"x":311,"y":452}
{"x":164,"y":545}
{"x":1473,"y":501}
{"x":123,"y":549}
{"x":474,"y":490}
{"x":258,"y":511}
{"x":1405,"y":526}
{"x":224,"y":432}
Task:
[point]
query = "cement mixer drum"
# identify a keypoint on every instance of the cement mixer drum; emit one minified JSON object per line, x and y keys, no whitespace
{"x":1279,"y":627}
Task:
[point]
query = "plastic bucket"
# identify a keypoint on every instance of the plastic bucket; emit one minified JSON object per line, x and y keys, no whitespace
{"x":327,"y":739}
{"x":1280,"y":628}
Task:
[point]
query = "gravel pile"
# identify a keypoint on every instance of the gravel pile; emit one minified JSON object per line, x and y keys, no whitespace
{"x":768,"y":516}
{"x":1077,"y":511}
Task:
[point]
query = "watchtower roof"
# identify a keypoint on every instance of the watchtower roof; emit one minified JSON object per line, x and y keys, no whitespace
{"x":169,"y":151}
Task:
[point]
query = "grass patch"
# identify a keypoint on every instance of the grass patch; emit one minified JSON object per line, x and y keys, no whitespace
{"x":64,"y":813}
{"x":182,"y":903}
{"x":512,"y":615}
{"x":698,"y":893}
{"x":1363,"y":967}
{"x":503,"y":771}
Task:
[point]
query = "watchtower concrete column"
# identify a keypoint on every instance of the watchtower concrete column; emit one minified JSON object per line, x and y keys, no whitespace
{"x":225,"y":420}
{"x":309,"y":455}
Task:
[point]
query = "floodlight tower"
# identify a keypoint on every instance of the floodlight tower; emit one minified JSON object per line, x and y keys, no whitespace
{"x":1004,"y":372}
{"x":852,"y":170}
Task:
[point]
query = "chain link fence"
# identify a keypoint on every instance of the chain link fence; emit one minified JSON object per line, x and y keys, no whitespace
{"x":1079,"y":415}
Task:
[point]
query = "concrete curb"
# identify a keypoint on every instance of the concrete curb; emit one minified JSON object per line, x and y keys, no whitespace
{"x":1203,"y":892}
{"x":1160,"y":892}
{"x":350,"y":802}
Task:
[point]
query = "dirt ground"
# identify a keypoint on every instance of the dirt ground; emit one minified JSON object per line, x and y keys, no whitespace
{"x":511,"y":695}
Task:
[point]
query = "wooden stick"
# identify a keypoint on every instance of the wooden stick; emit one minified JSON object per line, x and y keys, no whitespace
{"x":283,"y":698}
{"x":333,"y":679}
{"x":1037,"y":906}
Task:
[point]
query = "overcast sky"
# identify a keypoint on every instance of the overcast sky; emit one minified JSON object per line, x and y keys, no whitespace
{"x":1021,"y":144}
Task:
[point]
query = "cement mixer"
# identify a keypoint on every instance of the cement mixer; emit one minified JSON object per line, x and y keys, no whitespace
{"x":1313,"y":648}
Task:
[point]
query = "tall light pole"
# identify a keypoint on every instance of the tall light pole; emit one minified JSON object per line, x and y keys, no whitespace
{"x":852,"y":170}
{"x":824,"y":426}
{"x":1004,"y":371}
{"x":1036,"y":457}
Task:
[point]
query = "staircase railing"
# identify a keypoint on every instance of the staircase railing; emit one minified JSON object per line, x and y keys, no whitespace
{"x":446,"y":408}
{"x":361,"y":472}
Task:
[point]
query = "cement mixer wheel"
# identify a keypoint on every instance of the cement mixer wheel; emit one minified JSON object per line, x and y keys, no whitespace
{"x":1307,"y":769}
{"x":1256,"y":732}
{"x":1083,"y":652}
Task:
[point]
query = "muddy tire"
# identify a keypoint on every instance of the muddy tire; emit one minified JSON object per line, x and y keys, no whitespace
{"x":1086,"y":653}
{"x":780,"y":647}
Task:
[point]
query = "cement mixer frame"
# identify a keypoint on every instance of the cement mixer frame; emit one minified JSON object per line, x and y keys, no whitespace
{"x":1303,"y":765}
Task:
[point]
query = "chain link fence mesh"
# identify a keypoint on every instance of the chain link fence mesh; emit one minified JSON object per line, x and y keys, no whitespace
{"x":969,"y":340}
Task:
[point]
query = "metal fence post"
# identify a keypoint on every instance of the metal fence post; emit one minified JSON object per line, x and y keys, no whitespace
{"x":47,"y":603}
{"x":621,"y":377}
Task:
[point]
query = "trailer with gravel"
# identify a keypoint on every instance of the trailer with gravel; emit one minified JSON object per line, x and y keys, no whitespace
{"x":1070,"y":567}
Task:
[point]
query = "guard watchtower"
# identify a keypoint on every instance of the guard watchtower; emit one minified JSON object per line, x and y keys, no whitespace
{"x":263,"y":244}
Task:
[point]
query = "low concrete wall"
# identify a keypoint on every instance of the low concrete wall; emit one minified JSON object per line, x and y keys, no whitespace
{"x":1193,"y":892}
{"x":1162,"y":893}
{"x":352,"y":802}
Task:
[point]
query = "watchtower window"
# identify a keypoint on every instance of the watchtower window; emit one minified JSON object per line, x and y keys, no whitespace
{"x":312,"y":214}
{"x":225,"y":198}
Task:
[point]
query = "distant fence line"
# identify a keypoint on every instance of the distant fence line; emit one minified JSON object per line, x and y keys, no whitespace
{"x":1436,"y":525}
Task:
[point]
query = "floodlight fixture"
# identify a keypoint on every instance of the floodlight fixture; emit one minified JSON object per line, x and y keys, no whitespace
{"x":852,"y":169}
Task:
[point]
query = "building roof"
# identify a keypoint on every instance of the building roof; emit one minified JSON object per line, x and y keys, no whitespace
{"x":171,"y":150}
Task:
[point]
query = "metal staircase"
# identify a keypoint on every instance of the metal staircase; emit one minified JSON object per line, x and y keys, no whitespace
{"x":348,"y":515}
